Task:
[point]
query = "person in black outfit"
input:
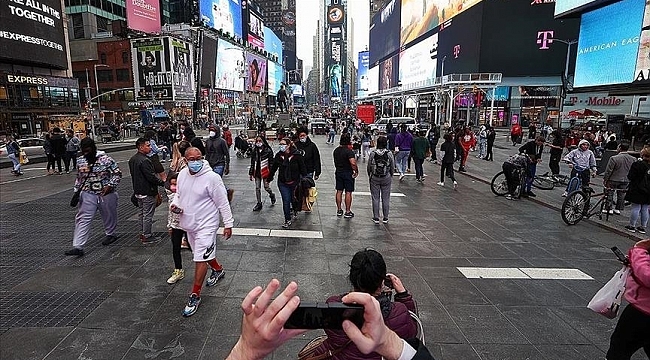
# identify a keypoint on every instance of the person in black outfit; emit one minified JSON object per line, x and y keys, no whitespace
{"x":556,"y":152}
{"x":534,"y":151}
{"x":491,"y":136}
{"x":195,"y":141}
{"x":448,"y":149}
{"x":433,"y":137}
{"x":290,"y":165}
{"x":346,"y":172}
{"x":58,"y":142}
{"x":310,"y":153}
{"x":282,"y":99}
{"x":262,"y":152}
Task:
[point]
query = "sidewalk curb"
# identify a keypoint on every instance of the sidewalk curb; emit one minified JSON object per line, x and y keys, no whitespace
{"x":43,"y":159}
{"x":558,"y":209}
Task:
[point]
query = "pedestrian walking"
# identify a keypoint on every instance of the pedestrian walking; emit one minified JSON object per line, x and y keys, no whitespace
{"x":227,"y":135}
{"x":346,"y":172}
{"x":381,"y":166}
{"x":403,"y":142}
{"x":310,"y":153}
{"x":58,"y":142}
{"x":515,"y":134}
{"x":419,"y":150}
{"x":365,"y":143}
{"x":260,"y":170}
{"x":331,"y":135}
{"x":482,"y":142}
{"x":448,"y":157}
{"x":177,"y":164}
{"x":13,"y":153}
{"x":615,"y":176}
{"x":47,"y":147}
{"x":467,"y":141}
{"x":98,"y":176}
{"x":154,"y":154}
{"x":638,"y":193}
{"x":290,"y":166}
{"x":433,"y":136}
{"x":145,"y":189}
{"x":216,"y":152}
{"x":557,"y":146}
{"x":491,"y":136}
{"x":71,"y":150}
{"x":200,"y":200}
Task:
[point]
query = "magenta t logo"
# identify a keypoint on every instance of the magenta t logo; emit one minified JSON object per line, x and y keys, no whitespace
{"x":456,"y":51}
{"x":544,"y":38}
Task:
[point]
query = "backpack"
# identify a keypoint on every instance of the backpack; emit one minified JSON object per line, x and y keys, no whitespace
{"x":381,"y":167}
{"x":644,"y":184}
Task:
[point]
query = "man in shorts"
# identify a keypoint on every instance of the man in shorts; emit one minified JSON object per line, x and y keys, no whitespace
{"x":200,"y":198}
{"x":345,"y":163}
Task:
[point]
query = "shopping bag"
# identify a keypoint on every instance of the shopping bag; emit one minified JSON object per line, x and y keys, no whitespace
{"x":310,"y":199}
{"x":607,"y":300}
{"x":264,"y":168}
{"x":23,"y":158}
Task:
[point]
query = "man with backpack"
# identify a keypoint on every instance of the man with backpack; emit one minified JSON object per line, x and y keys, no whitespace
{"x":381,"y":166}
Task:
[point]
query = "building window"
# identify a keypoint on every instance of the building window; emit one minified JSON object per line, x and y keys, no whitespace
{"x":102,"y":58}
{"x":125,"y":57}
{"x":3,"y":93}
{"x":104,"y":76}
{"x":77,"y":26}
{"x":122,"y":74}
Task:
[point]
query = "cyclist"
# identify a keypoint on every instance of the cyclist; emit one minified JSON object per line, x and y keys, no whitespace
{"x":580,"y":160}
{"x":511,"y":169}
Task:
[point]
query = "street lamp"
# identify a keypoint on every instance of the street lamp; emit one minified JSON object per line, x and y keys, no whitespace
{"x":568,"y":44}
{"x":99,"y":107}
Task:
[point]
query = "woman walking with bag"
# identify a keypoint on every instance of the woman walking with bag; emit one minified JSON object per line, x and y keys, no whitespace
{"x":291,"y":168}
{"x":638,"y":193}
{"x":381,"y":167}
{"x":261,"y":161}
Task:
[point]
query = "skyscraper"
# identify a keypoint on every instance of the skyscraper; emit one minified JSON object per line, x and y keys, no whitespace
{"x":280,"y":16}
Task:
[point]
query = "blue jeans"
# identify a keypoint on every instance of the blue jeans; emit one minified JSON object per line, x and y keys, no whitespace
{"x":219,"y":169}
{"x":642,"y":211}
{"x":401,"y":160}
{"x":286,"y":192}
{"x":532,"y":169}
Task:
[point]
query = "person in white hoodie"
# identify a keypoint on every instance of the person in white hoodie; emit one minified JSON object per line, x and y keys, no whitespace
{"x":381,"y":167}
{"x":200,"y":198}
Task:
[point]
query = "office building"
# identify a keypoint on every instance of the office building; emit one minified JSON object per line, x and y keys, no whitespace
{"x":280,"y":16}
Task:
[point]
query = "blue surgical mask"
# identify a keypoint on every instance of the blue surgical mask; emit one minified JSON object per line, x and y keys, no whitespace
{"x":195,"y":166}
{"x":283,"y":148}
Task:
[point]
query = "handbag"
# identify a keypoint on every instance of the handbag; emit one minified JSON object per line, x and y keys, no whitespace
{"x":264,"y":169}
{"x":23,"y":158}
{"x":607,"y":300}
{"x":75,"y":197}
{"x":307,"y":352}
{"x":158,"y":199}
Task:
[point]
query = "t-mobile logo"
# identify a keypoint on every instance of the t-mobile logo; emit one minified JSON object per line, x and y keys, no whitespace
{"x":544,"y":38}
{"x":456,"y":51}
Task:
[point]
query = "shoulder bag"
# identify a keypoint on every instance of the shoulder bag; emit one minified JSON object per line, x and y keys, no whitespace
{"x":75,"y":197}
{"x":307,"y":352}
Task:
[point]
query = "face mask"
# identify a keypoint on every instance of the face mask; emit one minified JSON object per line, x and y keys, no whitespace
{"x":283,"y":148}
{"x":303,"y":139}
{"x":195,"y":165}
{"x":259,"y":144}
{"x":213,"y":134}
{"x":172,"y":188}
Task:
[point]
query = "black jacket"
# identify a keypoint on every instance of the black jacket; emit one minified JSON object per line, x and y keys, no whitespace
{"x":257,"y":156}
{"x":290,"y":168}
{"x":216,"y":152}
{"x":311,"y":156}
{"x":634,"y":194}
{"x":530,"y":148}
{"x":143,"y":175}
{"x":58,"y":143}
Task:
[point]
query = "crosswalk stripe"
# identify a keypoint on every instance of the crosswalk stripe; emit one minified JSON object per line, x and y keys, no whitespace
{"x":366,"y":193}
{"x":523,"y":273}
{"x":304,"y":234}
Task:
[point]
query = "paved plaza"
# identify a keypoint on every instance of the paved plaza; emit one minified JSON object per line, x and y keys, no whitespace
{"x":493,"y":278}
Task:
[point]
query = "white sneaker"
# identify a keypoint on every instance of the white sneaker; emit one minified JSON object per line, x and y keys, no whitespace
{"x":617,"y":212}
{"x":177,"y":275}
{"x":564,"y":194}
{"x":455,"y":185}
{"x":401,"y":177}
{"x":441,"y":184}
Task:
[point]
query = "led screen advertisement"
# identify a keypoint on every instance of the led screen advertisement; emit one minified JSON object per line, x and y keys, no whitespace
{"x":182,"y":58}
{"x":224,"y":15}
{"x":419,"y":62}
{"x":272,"y":44}
{"x":255,"y":31}
{"x":388,"y":73}
{"x":459,"y":43}
{"x":230,"y":67}
{"x":419,"y":17}
{"x":256,"y":73}
{"x":517,"y":39}
{"x":273,"y":81}
{"x":335,"y":70}
{"x":152,"y":71}
{"x":384,"y":32}
{"x":143,"y":15}
{"x":609,"y":43}
{"x":28,"y":28}
{"x":567,"y":7}
{"x":363,"y":83}
{"x":373,"y":80}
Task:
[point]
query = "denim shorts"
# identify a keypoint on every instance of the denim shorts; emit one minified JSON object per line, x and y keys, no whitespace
{"x":344,"y":181}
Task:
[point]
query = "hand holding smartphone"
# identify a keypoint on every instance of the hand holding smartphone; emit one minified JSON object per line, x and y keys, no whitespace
{"x":324,"y":316}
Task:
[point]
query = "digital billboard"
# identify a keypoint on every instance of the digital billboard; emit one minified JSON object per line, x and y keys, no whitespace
{"x":255,"y":30}
{"x":143,"y":15}
{"x":208,"y":60}
{"x":419,"y":62}
{"x":642,"y":71}
{"x":33,"y":33}
{"x":335,"y":14}
{"x":388,"y":73}
{"x":609,"y":43}
{"x":152,"y":71}
{"x":230,"y":67}
{"x":182,"y":60}
{"x":363,"y":83}
{"x":256,"y":73}
{"x":373,"y":80}
{"x":272,"y":44}
{"x":419,"y":17}
{"x":517,"y":39}
{"x":567,"y":7}
{"x":273,"y":81}
{"x":384,"y":32}
{"x":459,"y":42}
{"x":224,"y":15}
{"x":289,"y":36}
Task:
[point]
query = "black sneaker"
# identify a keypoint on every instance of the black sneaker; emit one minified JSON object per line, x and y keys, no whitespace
{"x":385,"y":221}
{"x":348,"y":215}
{"x":531,"y":194}
{"x":74,"y":252}
{"x":640,"y":230}
{"x":286,"y":224}
{"x":272,"y":196}
{"x":109,"y":239}
{"x":149,"y":240}
{"x":376,"y":221}
{"x":630,"y":228}
{"x":215,"y":276}
{"x":258,"y":207}
{"x":339,"y":212}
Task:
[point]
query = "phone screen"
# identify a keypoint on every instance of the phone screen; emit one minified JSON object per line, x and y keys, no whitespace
{"x":324,"y":316}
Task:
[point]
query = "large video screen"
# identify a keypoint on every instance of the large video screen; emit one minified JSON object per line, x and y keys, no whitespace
{"x":388,"y":73}
{"x":256,"y":31}
{"x":272,"y":44}
{"x":373,"y":80}
{"x":459,"y":43}
{"x":273,"y":81}
{"x":143,"y":15}
{"x":566,"y":7}
{"x":420,"y":17}
{"x":256,"y":71}
{"x":222,"y":15}
{"x":609,"y":43}
{"x":642,"y":72}
{"x":33,"y":34}
{"x":517,"y":39}
{"x":230,"y":67}
{"x":384,"y":32}
{"x":419,"y":62}
{"x":363,"y":83}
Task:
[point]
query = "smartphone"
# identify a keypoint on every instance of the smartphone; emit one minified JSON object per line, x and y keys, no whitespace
{"x":388,"y":282}
{"x":324,"y":316}
{"x":619,"y":254}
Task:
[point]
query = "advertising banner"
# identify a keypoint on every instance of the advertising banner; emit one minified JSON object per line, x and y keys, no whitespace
{"x":256,"y":31}
{"x":567,"y":7}
{"x":256,"y":71}
{"x":335,"y":15}
{"x":608,"y":44}
{"x":273,"y":81}
{"x":642,"y":71}
{"x":182,"y":59}
{"x":384,"y":32}
{"x":143,"y":15}
{"x":459,"y":43}
{"x":230,"y":67}
{"x":208,"y":60}
{"x":419,"y":62}
{"x":289,"y":36}
{"x":419,"y":17}
{"x":272,"y":44}
{"x":33,"y":33}
{"x":224,"y":15}
{"x":388,"y":72}
{"x":152,"y":73}
{"x":373,"y":80}
{"x":363,"y":83}
{"x":335,"y":68}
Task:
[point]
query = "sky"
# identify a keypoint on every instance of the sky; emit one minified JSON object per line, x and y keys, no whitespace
{"x":307,"y":15}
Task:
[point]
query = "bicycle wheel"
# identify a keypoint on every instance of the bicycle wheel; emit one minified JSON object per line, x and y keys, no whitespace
{"x":573,"y":207}
{"x":543,"y":183}
{"x":499,"y":184}
{"x":562,"y":180}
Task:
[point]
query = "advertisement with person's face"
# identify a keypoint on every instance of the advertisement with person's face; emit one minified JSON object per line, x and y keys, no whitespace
{"x":182,"y":54}
{"x":608,"y":44}
{"x":336,"y":81}
{"x":256,"y":31}
{"x":388,"y":71}
{"x":143,"y":15}
{"x":230,"y":67}
{"x":26,"y":41}
{"x":224,"y":15}
{"x":256,"y":71}
{"x":419,"y":62}
{"x":272,"y":44}
{"x":459,"y":43}
{"x":384,"y":31}
{"x":152,"y":75}
{"x":363,"y":82}
{"x":419,"y":17}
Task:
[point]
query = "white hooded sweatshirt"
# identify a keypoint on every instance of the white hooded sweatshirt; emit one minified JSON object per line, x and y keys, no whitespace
{"x":202,"y":197}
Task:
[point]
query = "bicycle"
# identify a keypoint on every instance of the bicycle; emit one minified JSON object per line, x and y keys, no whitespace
{"x":577,"y":205}
{"x":548,"y":181}
{"x":499,"y":184}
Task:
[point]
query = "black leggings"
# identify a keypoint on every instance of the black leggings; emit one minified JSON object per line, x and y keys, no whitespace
{"x":450,"y":171}
{"x":490,"y":155}
{"x":630,"y":335}
{"x":177,"y":238}
{"x":554,"y":163}
{"x":50,"y":162}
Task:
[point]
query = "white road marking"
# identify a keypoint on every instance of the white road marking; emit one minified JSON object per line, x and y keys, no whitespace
{"x":366,"y":193}
{"x":523,"y":273}
{"x":22,"y":179}
{"x":275,"y":233}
